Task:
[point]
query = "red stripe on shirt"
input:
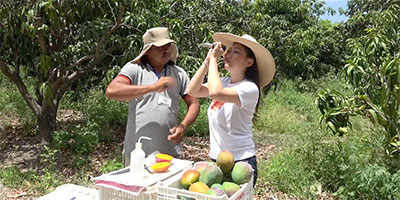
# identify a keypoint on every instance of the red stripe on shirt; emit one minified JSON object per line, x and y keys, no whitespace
{"x":186,"y":96}
{"x":125,"y":77}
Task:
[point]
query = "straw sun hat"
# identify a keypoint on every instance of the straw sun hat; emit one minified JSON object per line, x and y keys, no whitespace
{"x":158,"y":36}
{"x":264,"y":60}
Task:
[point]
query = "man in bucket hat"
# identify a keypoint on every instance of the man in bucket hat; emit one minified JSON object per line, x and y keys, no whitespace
{"x":152,"y":84}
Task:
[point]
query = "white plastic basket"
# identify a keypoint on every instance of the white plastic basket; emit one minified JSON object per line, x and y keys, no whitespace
{"x":106,"y":193}
{"x":172,"y":189}
{"x":71,"y":191}
{"x":109,"y":192}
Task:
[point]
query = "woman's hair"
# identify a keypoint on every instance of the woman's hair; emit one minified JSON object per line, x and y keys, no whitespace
{"x":251,"y":72}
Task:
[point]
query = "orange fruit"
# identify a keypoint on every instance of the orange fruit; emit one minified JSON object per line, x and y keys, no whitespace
{"x":160,"y":167}
{"x":163,"y":158}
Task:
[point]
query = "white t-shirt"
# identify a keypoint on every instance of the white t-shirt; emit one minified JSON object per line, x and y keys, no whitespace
{"x":230,"y":125}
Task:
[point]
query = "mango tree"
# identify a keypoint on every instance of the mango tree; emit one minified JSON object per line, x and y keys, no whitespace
{"x":373,"y":70}
{"x":47,"y":46}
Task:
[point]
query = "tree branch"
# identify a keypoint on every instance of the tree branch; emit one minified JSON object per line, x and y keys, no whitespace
{"x":14,"y":77}
{"x":42,"y":41}
{"x":102,"y":41}
{"x":79,"y":62}
{"x":72,"y":78}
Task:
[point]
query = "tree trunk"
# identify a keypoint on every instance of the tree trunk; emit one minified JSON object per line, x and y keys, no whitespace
{"x":47,"y":122}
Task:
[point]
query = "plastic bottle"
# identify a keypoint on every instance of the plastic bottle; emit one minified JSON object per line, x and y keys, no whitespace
{"x":137,"y":161}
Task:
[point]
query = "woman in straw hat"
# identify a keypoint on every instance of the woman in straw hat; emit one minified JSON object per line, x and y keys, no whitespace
{"x":234,"y":98}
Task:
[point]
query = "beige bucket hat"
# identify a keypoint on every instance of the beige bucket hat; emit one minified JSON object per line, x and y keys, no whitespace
{"x":265,"y":61}
{"x":157,"y":36}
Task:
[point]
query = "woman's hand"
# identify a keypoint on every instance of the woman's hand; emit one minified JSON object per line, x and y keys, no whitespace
{"x":207,"y":59}
{"x":217,"y":50}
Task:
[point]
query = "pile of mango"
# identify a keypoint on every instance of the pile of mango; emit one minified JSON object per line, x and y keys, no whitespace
{"x":219,"y":178}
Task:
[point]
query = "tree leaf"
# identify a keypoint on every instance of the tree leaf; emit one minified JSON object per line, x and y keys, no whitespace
{"x":45,"y":64}
{"x":374,"y":118}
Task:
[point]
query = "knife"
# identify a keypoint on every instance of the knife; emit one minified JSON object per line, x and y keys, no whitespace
{"x":147,"y":168}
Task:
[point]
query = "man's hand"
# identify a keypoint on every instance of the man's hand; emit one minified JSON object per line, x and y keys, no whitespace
{"x":177,"y":134}
{"x":164,"y":83}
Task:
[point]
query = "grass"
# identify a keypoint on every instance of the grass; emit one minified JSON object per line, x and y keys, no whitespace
{"x":312,"y":157}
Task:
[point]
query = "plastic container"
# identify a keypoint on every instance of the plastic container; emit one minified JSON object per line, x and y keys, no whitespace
{"x":71,"y":191}
{"x":109,"y":193}
{"x":172,"y":189}
{"x":137,"y":161}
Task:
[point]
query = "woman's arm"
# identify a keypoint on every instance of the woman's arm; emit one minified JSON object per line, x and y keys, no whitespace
{"x":215,"y":89}
{"x":195,"y":87}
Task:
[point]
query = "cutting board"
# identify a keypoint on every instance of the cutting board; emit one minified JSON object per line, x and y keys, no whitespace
{"x":122,"y":176}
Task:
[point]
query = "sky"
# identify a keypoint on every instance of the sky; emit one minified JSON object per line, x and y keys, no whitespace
{"x":335,"y":4}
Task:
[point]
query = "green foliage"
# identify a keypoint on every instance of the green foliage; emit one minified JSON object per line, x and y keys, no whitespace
{"x":12,"y":106}
{"x":286,"y":172}
{"x":111,"y":165}
{"x":80,"y":40}
{"x":200,"y":126}
{"x":13,"y":177}
{"x":373,"y":182}
{"x":82,"y":140}
{"x":313,"y":51}
{"x":322,"y":161}
{"x":270,"y":112}
{"x":30,"y":181}
{"x":278,"y":25}
{"x":288,"y":108}
{"x":313,"y":161}
{"x":12,"y":102}
{"x":99,"y":116}
{"x":49,"y":156}
{"x":304,"y":48}
{"x":374,"y":71}
{"x":35,"y":183}
{"x":366,"y":6}
{"x":100,"y":110}
{"x":49,"y":45}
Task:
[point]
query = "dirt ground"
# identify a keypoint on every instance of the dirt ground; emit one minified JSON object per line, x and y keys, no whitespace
{"x":23,"y":151}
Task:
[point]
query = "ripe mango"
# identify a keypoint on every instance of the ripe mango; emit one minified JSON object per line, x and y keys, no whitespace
{"x":189,"y":177}
{"x":211,"y":174}
{"x":217,"y":185}
{"x":160,"y":157}
{"x":225,"y":161}
{"x":160,"y":167}
{"x":230,"y":188}
{"x":199,"y":187}
{"x":200,"y":166}
{"x":242,"y":172}
{"x":215,"y":192}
